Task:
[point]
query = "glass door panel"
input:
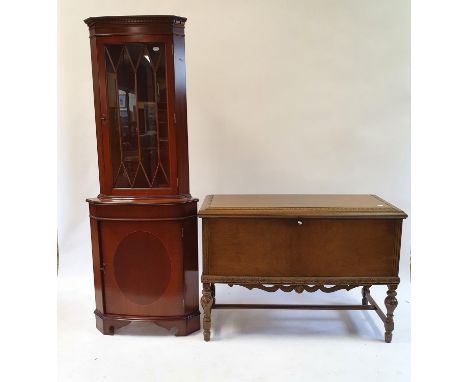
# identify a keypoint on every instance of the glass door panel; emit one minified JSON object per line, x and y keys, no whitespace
{"x":137,"y":115}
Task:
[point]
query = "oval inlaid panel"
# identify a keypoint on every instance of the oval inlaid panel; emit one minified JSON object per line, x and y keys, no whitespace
{"x":142,"y":267}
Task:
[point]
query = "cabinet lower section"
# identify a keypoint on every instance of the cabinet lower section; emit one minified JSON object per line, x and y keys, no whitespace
{"x":145,"y":262}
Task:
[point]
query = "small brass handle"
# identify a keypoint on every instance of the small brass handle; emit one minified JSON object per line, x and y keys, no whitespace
{"x":103,"y":117}
{"x":299,"y":222}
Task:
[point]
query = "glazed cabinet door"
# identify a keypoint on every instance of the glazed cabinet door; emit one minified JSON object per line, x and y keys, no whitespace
{"x":137,"y":117}
{"x":142,"y":267}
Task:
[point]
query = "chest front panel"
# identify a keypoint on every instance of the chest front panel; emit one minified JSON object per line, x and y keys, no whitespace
{"x":301,"y":247}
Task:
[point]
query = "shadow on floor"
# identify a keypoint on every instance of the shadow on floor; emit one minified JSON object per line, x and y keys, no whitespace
{"x":231,"y":323}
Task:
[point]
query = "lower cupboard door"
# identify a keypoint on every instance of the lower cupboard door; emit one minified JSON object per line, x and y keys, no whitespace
{"x":142,"y":264}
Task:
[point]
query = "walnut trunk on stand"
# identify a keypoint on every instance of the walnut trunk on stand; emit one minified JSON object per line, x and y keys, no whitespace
{"x":301,"y":243}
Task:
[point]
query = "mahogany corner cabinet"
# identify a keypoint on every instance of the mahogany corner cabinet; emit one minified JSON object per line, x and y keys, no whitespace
{"x":143,"y":223}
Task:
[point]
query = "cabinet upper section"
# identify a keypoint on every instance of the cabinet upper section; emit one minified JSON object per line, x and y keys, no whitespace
{"x":138,"y":65}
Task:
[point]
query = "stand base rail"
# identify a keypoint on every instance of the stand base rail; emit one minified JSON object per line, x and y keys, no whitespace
{"x":294,"y":307}
{"x":208,"y":303}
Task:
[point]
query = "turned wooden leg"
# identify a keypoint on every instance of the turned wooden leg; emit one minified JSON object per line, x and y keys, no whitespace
{"x":206,"y":303}
{"x":391,"y":303}
{"x":365,"y":290}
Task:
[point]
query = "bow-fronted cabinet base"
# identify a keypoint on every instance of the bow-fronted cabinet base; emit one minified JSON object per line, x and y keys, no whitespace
{"x":145,"y":262}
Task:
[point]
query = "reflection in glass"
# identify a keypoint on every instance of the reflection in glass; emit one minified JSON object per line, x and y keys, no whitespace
{"x":137,"y":115}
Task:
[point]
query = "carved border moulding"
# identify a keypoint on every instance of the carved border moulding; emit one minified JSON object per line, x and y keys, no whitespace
{"x":120,"y":317}
{"x":253,"y":280}
{"x":144,"y":19}
{"x":297,"y":288}
{"x":317,"y":211}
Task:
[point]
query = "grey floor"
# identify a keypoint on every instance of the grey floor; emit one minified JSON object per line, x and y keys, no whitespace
{"x":247,"y":345}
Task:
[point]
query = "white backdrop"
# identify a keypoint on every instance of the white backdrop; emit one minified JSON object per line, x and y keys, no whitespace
{"x":282,"y":96}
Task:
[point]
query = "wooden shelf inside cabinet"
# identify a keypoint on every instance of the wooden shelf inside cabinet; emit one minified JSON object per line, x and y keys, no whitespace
{"x":143,"y":224}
